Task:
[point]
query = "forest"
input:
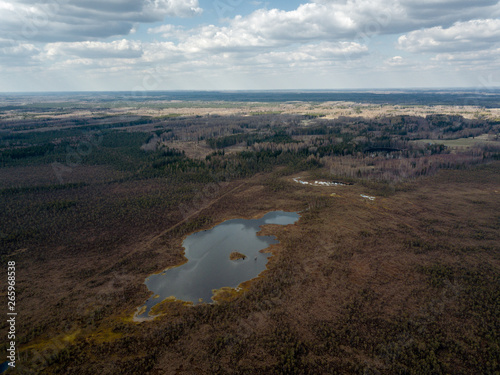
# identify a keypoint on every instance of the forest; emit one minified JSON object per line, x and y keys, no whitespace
{"x":96,"y":196}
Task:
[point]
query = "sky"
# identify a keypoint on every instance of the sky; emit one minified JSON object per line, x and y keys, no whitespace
{"x":141,"y":45}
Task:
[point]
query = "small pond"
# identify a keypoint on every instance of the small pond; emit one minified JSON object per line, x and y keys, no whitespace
{"x":209,"y":267}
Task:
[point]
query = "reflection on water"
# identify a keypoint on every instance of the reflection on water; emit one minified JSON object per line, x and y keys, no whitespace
{"x":209,"y":266}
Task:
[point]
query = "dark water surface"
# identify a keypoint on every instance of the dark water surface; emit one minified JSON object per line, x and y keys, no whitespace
{"x":209,"y":266}
{"x":4,"y":367}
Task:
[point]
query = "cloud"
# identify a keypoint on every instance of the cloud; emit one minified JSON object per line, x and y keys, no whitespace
{"x":470,"y":35}
{"x":395,"y":61}
{"x":472,"y":59}
{"x":94,"y":50}
{"x":313,"y":21}
{"x":318,"y":32}
{"x":319,"y":38}
{"x":17,"y":54}
{"x":183,"y":8}
{"x":274,"y":29}
{"x":328,"y":20}
{"x":324,"y":20}
{"x":7,"y":43}
{"x":334,"y":20}
{"x":19,"y":50}
{"x":79,"y":20}
{"x":313,"y":54}
{"x":168,"y":31}
{"x":444,"y":6}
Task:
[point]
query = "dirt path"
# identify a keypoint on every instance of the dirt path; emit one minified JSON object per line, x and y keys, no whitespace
{"x":150,"y":242}
{"x":195,"y":213}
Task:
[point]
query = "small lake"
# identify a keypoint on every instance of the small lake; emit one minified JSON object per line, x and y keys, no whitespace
{"x":209,"y":267}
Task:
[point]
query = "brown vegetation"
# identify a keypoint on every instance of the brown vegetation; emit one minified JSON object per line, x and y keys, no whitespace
{"x":353,"y":287}
{"x":407,"y":283}
{"x":236,"y":255}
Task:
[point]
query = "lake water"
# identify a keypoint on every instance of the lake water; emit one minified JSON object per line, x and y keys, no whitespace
{"x":4,"y":367}
{"x":209,"y":266}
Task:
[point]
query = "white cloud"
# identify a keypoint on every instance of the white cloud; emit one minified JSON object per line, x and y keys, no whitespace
{"x":19,"y":50}
{"x":470,"y":35}
{"x":18,"y":54}
{"x":184,"y":8}
{"x":324,"y":53}
{"x":273,"y":29}
{"x":320,"y":20}
{"x":94,"y":50}
{"x":471,"y":59}
{"x":78,"y":20}
{"x":346,"y":39}
{"x":315,"y":21}
{"x":360,"y":19}
{"x":168,"y":31}
{"x":395,"y":61}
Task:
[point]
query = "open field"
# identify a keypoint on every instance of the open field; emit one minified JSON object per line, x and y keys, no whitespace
{"x":393,"y":270}
{"x":463,"y":143}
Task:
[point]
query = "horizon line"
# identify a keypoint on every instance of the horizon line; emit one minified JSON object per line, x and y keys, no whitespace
{"x":461,"y":88}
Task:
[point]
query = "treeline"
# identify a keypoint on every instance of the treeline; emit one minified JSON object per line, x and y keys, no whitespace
{"x":178,"y":167}
{"x":249,"y":139}
{"x":82,"y":124}
{"x":409,"y":127}
{"x":26,"y":152}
